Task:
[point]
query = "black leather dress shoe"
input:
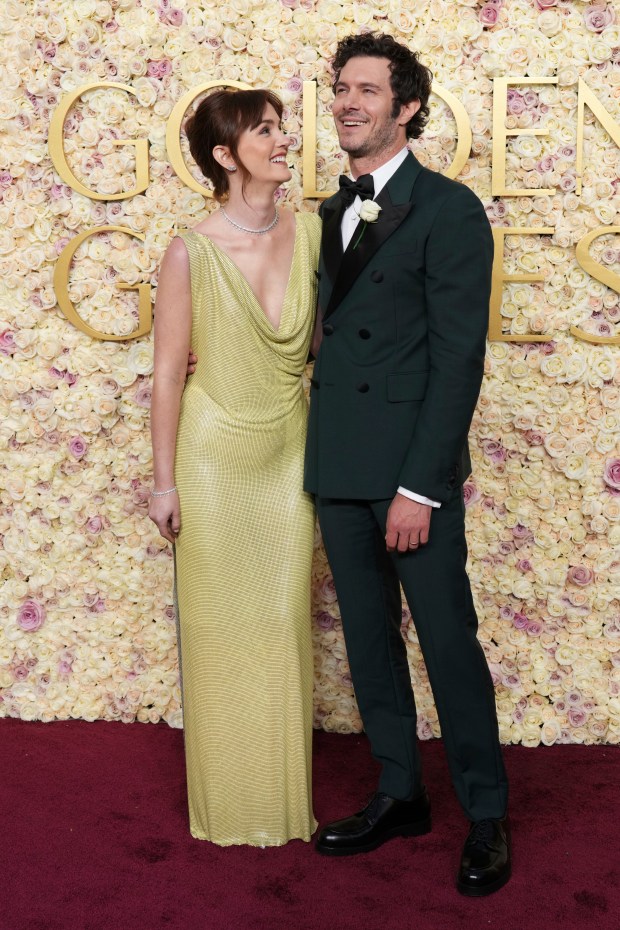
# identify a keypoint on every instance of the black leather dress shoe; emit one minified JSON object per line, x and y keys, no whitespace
{"x":383,"y":818}
{"x":485,"y":863}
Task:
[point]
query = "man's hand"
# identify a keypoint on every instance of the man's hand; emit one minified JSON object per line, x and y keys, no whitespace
{"x":408,"y":524}
{"x":191,"y":363}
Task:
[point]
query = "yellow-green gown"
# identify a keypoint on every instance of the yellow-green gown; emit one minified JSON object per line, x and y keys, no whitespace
{"x":243,"y":556}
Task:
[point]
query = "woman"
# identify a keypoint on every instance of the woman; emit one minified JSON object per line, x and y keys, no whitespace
{"x":228,"y":454}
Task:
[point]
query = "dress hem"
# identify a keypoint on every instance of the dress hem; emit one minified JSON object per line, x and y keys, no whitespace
{"x":259,"y":844}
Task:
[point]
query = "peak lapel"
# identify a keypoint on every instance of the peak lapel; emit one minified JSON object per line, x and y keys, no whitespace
{"x":331,"y":238}
{"x":396,"y":202}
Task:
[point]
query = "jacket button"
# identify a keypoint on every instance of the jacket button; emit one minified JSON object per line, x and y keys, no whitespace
{"x":377,"y":277}
{"x":314,"y":383}
{"x":327,"y":329}
{"x":363,"y":387}
{"x":364,"y":334}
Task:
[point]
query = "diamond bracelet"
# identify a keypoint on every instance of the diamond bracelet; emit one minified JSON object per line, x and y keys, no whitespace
{"x":163,"y":493}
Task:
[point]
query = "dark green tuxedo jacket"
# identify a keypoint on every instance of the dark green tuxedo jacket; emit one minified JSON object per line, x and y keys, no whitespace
{"x":405,"y":317}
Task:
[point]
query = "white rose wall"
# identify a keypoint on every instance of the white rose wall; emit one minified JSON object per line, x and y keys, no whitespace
{"x":87,"y":625}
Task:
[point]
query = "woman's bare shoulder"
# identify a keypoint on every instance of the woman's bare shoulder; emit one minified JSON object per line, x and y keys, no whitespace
{"x":209,"y":226}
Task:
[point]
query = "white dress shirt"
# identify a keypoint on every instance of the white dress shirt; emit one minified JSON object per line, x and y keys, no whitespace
{"x":350,"y":219}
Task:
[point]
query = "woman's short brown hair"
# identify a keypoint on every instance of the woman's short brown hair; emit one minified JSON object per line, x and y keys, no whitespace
{"x":220,"y":119}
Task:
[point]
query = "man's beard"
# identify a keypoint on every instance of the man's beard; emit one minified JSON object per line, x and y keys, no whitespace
{"x":380,"y":140}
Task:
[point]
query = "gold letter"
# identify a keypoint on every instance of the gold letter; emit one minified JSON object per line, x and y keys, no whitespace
{"x":57,"y":152}
{"x":604,"y":275}
{"x":585,"y":95}
{"x":173,"y":132}
{"x":495,"y":316}
{"x":500,"y":134}
{"x":61,"y":289}
{"x":463,"y":131}
{"x":309,"y":137}
{"x":309,"y":143}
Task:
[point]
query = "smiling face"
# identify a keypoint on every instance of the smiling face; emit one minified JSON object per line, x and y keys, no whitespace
{"x":363,"y":111}
{"x":263,"y":149}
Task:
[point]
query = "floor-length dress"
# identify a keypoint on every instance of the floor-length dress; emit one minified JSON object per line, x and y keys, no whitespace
{"x":243,"y":556}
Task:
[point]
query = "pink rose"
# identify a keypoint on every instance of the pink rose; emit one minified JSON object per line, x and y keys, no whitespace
{"x":611,"y":474}
{"x":294,"y":84}
{"x":141,"y":496}
{"x":493,"y":450}
{"x":31,"y":616}
{"x":577,"y":716}
{"x":520,"y":621}
{"x":580,"y":575}
{"x":521,"y":532}
{"x":7,"y":343}
{"x":172,"y":16}
{"x":78,"y":447}
{"x":94,"y":525}
{"x":65,"y":666}
{"x":488,"y":14}
{"x":471,"y":494}
{"x":169,"y":614}
{"x":598,"y":17}
{"x":142,"y":397}
{"x":524,"y":565}
{"x":545,"y":4}
{"x":516,"y":103}
{"x":324,"y":621}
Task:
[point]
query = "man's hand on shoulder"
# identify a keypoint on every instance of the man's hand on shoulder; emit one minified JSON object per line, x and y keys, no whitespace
{"x":191,"y":363}
{"x":408,"y":524}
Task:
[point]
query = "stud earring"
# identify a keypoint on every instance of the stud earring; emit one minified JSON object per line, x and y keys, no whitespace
{"x":231,"y":167}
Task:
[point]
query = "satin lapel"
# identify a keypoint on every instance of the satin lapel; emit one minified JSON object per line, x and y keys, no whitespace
{"x":331,"y":248}
{"x":396,"y":202}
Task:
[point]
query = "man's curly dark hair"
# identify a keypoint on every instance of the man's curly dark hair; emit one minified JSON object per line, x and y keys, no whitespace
{"x":409,"y":78}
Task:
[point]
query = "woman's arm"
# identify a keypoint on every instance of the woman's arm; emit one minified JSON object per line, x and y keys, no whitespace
{"x":173,"y":324}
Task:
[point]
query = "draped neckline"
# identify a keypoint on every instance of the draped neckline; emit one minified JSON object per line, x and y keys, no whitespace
{"x":237,"y":271}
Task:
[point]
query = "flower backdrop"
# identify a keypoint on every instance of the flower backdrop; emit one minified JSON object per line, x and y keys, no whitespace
{"x":86,"y":618}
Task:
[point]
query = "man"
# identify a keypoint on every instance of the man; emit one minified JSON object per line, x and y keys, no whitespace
{"x":404,"y":299}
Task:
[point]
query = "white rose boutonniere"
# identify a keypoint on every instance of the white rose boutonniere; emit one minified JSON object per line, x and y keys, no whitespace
{"x":369,"y":213}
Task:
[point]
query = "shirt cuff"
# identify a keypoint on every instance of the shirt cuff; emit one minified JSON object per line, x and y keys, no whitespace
{"x":418,"y":497}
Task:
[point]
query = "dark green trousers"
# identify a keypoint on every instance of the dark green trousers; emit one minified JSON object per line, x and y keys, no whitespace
{"x":436,"y":586}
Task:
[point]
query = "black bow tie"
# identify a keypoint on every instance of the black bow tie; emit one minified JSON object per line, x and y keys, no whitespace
{"x":364,"y":188}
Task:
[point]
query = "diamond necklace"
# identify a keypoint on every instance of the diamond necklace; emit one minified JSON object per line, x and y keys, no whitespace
{"x":254,"y":232}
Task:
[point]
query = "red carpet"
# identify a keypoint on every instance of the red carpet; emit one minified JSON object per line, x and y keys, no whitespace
{"x":94,"y":836}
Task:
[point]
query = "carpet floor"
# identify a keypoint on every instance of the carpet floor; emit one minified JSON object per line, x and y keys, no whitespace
{"x":94,"y":831}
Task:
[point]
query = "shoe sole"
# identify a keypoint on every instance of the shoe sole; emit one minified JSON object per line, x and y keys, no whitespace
{"x":414,"y":829}
{"x":473,"y":891}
